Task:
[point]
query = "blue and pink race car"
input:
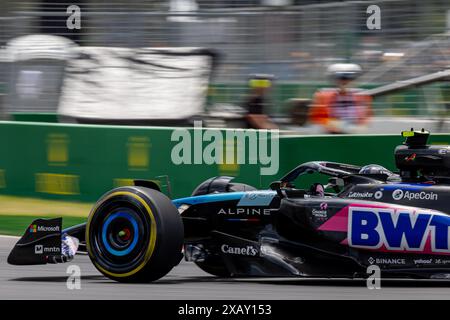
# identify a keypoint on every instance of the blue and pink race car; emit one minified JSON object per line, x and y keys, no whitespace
{"x":362,"y":216}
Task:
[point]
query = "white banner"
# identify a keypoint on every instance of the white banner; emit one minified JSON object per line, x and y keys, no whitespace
{"x":135,"y":84}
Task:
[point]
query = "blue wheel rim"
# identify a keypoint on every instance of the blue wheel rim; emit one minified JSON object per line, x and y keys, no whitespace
{"x":111,"y":218}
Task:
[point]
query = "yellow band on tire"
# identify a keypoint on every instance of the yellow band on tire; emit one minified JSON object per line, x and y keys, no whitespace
{"x":151,"y":246}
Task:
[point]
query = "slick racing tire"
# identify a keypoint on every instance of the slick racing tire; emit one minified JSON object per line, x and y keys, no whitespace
{"x":134,"y":234}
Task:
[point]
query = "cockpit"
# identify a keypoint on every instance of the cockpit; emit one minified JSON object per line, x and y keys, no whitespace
{"x":339,"y":176}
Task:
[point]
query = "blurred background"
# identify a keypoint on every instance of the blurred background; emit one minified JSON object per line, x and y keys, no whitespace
{"x":293,"y":41}
{"x":138,"y":68}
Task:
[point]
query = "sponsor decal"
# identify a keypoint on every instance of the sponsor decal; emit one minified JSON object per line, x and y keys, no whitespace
{"x":399,"y":194}
{"x":322,"y":212}
{"x":243,"y":251}
{"x":40,"y":249}
{"x":441,"y":261}
{"x":245,"y":211}
{"x":319,"y":213}
{"x":423,"y":261}
{"x":411,"y":157}
{"x":35,"y":228}
{"x":360,"y":195}
{"x":372,"y":260}
{"x":401,"y":230}
{"x":256,"y":198}
{"x":379,"y":194}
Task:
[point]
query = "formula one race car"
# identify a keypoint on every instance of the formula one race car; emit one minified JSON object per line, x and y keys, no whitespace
{"x":364,"y":216}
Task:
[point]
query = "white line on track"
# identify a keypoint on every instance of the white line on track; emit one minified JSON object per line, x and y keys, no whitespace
{"x":10,"y":237}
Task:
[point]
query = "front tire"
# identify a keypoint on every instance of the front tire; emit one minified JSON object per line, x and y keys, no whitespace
{"x":134,"y":234}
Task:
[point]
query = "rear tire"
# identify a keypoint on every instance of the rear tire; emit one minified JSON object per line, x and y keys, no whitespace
{"x":134,"y":234}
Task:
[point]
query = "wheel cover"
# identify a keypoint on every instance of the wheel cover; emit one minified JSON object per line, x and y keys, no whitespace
{"x":120,"y":243}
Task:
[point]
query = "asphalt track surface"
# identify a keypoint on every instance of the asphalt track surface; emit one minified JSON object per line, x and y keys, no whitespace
{"x":186,"y":281}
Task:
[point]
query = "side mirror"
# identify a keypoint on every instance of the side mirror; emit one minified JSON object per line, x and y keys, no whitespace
{"x":276,"y":185}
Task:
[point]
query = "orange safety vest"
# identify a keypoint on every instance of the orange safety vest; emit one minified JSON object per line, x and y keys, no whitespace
{"x":323,"y":101}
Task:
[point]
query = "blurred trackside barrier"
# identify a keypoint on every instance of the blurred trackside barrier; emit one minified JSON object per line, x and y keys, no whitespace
{"x":81,"y":162}
{"x":407,"y":102}
{"x":295,"y":43}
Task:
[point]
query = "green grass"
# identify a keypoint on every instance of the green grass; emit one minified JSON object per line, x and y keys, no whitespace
{"x":21,"y":206}
{"x":17,"y":213}
{"x":16,"y":225}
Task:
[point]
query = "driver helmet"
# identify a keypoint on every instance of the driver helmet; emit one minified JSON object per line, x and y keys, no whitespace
{"x":375,"y":169}
{"x":317,"y":189}
{"x":344,"y":71}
